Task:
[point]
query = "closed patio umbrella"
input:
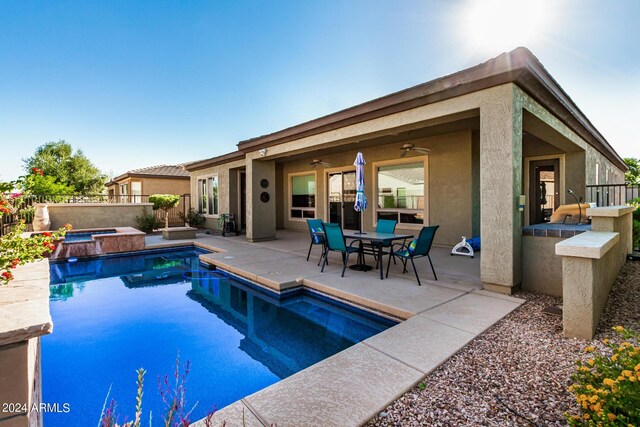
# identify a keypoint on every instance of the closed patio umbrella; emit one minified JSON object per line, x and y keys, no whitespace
{"x":361,"y":200}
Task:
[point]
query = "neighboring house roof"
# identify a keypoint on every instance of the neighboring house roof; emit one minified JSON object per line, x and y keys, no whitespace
{"x":160,"y":171}
{"x":519,"y":66}
{"x":165,"y":170}
{"x":214,"y":161}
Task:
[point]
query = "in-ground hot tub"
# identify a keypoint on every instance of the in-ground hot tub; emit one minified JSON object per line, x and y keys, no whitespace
{"x":85,"y":236}
{"x":98,"y":241}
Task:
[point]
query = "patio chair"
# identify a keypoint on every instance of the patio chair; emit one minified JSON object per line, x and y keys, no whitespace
{"x":383,"y":226}
{"x":335,"y":241}
{"x":420,"y":249}
{"x":315,"y":226}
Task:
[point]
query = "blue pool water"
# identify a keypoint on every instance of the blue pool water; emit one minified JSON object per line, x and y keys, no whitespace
{"x":84,"y":236}
{"x":113,"y":315}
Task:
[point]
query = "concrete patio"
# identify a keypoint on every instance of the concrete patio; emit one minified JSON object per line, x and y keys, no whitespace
{"x":280,"y":264}
{"x":437,"y":319}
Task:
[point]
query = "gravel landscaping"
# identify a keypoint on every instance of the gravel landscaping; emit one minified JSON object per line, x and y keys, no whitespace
{"x":517,"y":372}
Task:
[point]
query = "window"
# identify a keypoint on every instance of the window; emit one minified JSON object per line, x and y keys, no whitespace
{"x":303,"y":196}
{"x":124,"y":192}
{"x":208,"y":202}
{"x":401,"y":192}
{"x":212,"y":185}
{"x":597,"y":173}
{"x":202,"y":196}
{"x":136,"y":191}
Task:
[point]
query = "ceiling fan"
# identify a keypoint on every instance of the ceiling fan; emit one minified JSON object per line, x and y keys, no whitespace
{"x":410,"y":147}
{"x":316,"y":162}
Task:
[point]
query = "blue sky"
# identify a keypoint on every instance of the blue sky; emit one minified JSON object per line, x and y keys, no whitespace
{"x":134,"y":84}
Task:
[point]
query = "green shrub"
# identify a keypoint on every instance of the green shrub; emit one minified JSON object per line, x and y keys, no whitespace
{"x":636,"y":221}
{"x":193,"y":217}
{"x":147,"y":222}
{"x":635,"y":202}
{"x":388,"y":202}
{"x":27,"y":214}
{"x":607,"y":386}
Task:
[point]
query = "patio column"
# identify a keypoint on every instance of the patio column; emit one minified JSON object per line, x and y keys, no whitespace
{"x":500,"y":186}
{"x":261,"y":200}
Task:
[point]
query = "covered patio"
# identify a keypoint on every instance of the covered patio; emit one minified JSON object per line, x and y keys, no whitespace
{"x":473,"y":152}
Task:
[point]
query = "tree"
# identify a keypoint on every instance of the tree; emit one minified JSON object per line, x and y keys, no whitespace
{"x":164,"y":202}
{"x":68,"y":168}
{"x":39,"y":184}
{"x":632,"y":176}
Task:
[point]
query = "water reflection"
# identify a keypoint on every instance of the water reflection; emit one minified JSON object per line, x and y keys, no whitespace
{"x":65,"y":291}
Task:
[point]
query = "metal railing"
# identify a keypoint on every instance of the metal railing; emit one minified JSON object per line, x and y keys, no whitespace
{"x":612,"y":194}
{"x":23,"y":207}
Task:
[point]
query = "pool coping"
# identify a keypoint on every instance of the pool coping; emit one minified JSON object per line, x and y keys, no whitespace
{"x":352,"y":386}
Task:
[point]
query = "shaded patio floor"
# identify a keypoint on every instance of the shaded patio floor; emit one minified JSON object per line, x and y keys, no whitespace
{"x":281,"y":264}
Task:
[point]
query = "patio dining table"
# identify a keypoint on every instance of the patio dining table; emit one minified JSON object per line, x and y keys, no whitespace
{"x":377,"y":240}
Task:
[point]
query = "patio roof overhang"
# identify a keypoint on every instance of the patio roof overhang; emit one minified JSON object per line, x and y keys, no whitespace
{"x":461,"y":121}
{"x":519,"y":67}
{"x":215,"y":161}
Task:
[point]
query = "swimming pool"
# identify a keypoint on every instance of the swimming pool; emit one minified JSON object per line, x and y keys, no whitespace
{"x":115,"y":314}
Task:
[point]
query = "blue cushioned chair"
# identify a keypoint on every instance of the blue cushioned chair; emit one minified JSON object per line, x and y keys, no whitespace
{"x":421,"y":249}
{"x":315,"y":226}
{"x":335,"y":242}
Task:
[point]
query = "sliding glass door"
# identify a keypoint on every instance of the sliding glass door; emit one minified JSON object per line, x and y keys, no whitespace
{"x":342,"y":198}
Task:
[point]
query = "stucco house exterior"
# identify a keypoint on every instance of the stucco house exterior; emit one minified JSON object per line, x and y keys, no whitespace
{"x":458,"y":151}
{"x":161,"y":179}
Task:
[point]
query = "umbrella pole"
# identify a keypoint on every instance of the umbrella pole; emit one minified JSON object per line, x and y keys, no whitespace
{"x":360,"y":227}
{"x":361,"y":265}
